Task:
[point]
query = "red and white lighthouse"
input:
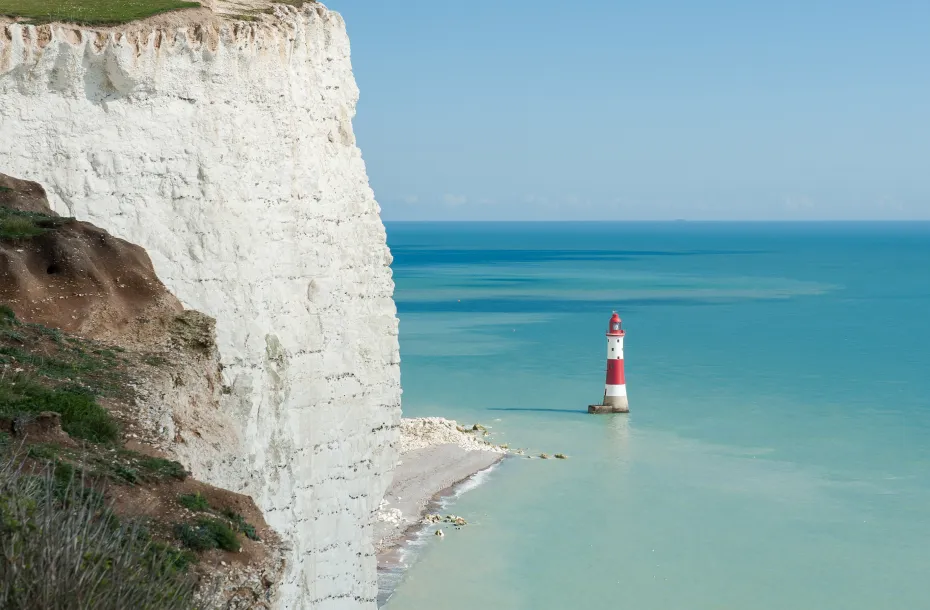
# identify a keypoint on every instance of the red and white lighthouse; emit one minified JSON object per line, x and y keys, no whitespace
{"x":615,"y":400}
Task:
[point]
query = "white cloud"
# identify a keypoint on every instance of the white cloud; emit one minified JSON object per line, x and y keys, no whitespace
{"x":454,"y":200}
{"x":410,"y":199}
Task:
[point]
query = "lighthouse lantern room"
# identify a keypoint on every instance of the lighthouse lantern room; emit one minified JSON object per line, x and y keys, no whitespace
{"x":615,"y":400}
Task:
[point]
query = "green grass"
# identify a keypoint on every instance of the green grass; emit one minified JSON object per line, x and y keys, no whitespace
{"x":81,"y":416}
{"x":195,"y":502}
{"x":55,"y":368}
{"x":43,"y":452}
{"x":70,"y":361}
{"x":57,"y":375}
{"x":121,"y":466}
{"x":12,"y":334}
{"x":15,"y":224}
{"x":89,"y":11}
{"x":135,"y":468}
{"x":126,"y":473}
{"x":177,"y":560}
{"x":7,"y":315}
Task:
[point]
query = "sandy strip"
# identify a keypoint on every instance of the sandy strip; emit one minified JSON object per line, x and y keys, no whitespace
{"x":420,"y":475}
{"x":435,"y":454}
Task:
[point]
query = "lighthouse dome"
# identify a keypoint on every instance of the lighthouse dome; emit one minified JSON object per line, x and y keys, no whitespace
{"x":615,"y":326}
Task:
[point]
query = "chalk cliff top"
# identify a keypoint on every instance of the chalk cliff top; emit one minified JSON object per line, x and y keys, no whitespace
{"x":241,"y":24}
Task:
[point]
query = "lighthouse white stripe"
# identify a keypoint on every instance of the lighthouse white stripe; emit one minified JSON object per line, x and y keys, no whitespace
{"x":615,"y":348}
{"x":615,"y":390}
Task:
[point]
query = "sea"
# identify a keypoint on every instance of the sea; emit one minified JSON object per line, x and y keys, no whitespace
{"x":777,"y":453}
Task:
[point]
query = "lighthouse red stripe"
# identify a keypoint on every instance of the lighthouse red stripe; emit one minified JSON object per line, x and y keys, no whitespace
{"x":615,"y":372}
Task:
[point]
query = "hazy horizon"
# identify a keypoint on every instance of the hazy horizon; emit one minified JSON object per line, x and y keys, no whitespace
{"x":620,"y":111}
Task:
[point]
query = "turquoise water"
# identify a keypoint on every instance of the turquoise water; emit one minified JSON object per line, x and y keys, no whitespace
{"x":778,"y":450}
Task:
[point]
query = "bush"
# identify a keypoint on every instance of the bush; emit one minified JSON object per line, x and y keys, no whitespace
{"x":207,"y":534}
{"x":126,"y":473}
{"x":241,"y":524}
{"x":194,"y":537}
{"x":61,"y":548}
{"x":195,"y":502}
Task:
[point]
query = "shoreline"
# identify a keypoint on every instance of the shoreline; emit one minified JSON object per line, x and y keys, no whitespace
{"x":390,"y":552}
{"x":437,"y":458}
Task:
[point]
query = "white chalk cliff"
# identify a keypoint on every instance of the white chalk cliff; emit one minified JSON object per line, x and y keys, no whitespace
{"x":225,"y":148}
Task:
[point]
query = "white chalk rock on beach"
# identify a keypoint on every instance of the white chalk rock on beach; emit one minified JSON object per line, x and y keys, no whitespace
{"x":421,"y":432}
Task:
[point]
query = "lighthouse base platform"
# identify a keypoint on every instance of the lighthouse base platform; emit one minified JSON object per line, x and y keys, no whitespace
{"x":598,"y":409}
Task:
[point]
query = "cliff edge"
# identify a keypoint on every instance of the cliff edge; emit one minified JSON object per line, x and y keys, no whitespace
{"x":225,"y":149}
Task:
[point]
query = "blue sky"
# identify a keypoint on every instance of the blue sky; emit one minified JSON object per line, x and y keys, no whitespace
{"x":595,"y":109}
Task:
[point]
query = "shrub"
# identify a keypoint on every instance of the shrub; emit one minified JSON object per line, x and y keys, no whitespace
{"x":224,"y":536}
{"x":195,"y":502}
{"x":207,"y":534}
{"x":193,"y":537}
{"x":61,"y":548}
{"x":241,"y":525}
{"x":126,"y":473}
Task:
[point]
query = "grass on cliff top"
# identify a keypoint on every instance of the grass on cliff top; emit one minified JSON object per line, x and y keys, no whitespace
{"x":98,"y":12}
{"x":15,"y":224}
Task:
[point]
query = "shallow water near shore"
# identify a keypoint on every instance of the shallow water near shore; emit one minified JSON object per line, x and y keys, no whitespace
{"x":393,"y":564}
{"x":776,"y":452}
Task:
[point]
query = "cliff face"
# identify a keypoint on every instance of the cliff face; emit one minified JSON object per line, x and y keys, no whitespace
{"x":225,"y":149}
